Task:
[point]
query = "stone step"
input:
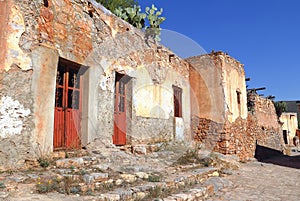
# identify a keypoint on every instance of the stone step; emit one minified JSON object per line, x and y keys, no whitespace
{"x":174,"y":183}
{"x":136,"y":186}
{"x":203,"y":190}
{"x":76,"y":162}
{"x":196,"y":193}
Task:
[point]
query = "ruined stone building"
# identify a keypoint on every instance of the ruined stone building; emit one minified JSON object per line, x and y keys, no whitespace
{"x":219,"y":100}
{"x":220,"y":104}
{"x":289,"y":126}
{"x":72,"y":72}
{"x":263,"y":124}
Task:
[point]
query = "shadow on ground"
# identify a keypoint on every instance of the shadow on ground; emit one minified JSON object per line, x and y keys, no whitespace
{"x":267,"y":155}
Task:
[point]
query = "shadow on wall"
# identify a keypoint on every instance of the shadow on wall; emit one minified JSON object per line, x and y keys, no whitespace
{"x":268,"y":155}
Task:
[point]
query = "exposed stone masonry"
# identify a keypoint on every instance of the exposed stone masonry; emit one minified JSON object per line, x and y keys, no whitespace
{"x":86,"y":33}
{"x":207,"y":131}
{"x":242,"y":136}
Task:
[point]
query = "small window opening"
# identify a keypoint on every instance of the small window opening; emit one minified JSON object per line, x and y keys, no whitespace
{"x":171,"y":56}
{"x":238,"y":96}
{"x":91,"y":13}
{"x":91,"y":9}
{"x":177,"y":101}
{"x":46,"y":3}
{"x":159,"y":48}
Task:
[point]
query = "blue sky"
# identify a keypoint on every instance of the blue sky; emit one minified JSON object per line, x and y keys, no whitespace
{"x":263,"y":35}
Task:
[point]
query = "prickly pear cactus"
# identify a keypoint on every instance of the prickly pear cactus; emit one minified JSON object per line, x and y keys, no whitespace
{"x":153,"y":15}
{"x":132,"y":15}
{"x":136,"y":18}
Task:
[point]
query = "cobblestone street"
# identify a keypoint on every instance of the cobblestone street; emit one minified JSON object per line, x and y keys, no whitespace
{"x":273,"y":179}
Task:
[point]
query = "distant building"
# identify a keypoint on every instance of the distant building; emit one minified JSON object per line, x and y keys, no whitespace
{"x":293,"y":106}
{"x":289,"y":126}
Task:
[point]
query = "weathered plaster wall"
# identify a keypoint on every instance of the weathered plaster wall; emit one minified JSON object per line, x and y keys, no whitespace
{"x":16,"y":111}
{"x":290,"y":124}
{"x":43,"y":83}
{"x":207,"y":93}
{"x":233,"y":82}
{"x":4,"y":15}
{"x":16,"y":119}
{"x":239,"y":132}
{"x":215,"y":80}
{"x":153,"y":106}
{"x":36,"y":36}
{"x":13,"y":26}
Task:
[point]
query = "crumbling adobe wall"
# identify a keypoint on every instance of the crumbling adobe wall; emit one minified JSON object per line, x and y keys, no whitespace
{"x":261,"y":128}
{"x":86,"y":33}
{"x":216,"y":80}
{"x":16,"y":121}
{"x":264,"y":110}
{"x":239,"y":138}
{"x":219,"y":120}
{"x":264,"y":122}
{"x":207,"y":94}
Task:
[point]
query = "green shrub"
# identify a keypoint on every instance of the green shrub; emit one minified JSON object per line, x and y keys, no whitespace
{"x":154,"y":178}
{"x":44,"y":162}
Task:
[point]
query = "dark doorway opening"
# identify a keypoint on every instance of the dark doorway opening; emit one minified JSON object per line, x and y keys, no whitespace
{"x":285,"y":136}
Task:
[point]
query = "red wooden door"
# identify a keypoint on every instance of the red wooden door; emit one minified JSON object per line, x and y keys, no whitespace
{"x":67,"y":114}
{"x":119,"y":137}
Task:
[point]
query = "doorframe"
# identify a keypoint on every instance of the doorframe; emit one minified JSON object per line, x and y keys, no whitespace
{"x":43,"y":87}
{"x":67,"y":66}
{"x":127,"y":108}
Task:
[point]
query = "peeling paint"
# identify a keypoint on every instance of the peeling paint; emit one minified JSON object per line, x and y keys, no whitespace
{"x":16,"y":54}
{"x":105,"y":45}
{"x":153,"y":101}
{"x":179,"y":129}
{"x":107,"y":83}
{"x":11,"y":117}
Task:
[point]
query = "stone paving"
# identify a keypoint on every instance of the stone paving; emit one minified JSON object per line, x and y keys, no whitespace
{"x":108,"y":173}
{"x":275,"y":178}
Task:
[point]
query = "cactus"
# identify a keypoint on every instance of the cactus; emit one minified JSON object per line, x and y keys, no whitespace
{"x":153,"y":16}
{"x":132,"y":15}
